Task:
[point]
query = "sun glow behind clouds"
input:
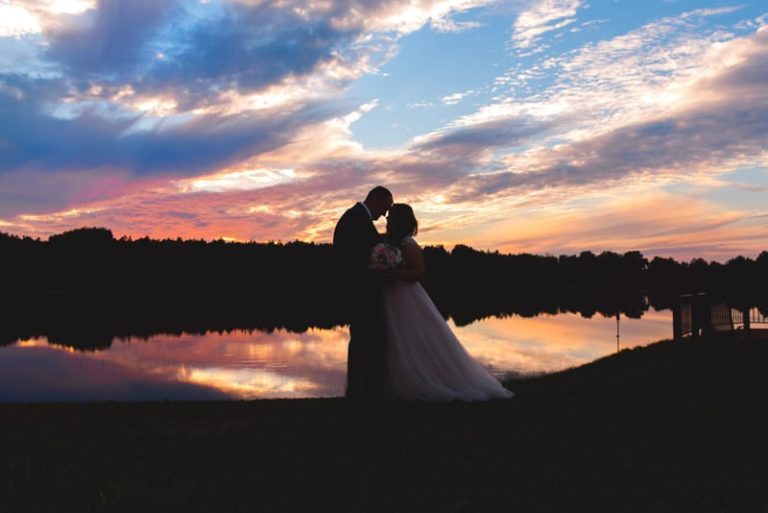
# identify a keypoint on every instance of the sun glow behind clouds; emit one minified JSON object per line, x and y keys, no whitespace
{"x":71,"y":6}
{"x":16,"y":21}
{"x":245,"y":180}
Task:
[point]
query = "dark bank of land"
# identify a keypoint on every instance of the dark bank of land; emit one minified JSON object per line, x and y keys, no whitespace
{"x":672,"y":427}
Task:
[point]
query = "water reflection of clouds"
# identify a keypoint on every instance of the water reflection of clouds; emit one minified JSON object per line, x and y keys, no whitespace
{"x":553,"y":342}
{"x":246,"y":364}
{"x":250,"y":383}
{"x":255,"y":364}
{"x":32,"y":371}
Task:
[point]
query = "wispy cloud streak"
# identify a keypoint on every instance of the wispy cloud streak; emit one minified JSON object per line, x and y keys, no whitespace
{"x":544,"y":16}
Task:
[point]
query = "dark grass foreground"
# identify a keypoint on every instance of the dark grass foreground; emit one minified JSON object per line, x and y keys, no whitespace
{"x":673,"y":427}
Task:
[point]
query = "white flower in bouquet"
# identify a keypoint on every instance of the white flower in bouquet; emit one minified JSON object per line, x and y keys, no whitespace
{"x":384,"y":257}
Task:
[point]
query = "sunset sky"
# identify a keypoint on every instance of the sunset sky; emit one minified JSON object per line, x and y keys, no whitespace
{"x":550,"y":126}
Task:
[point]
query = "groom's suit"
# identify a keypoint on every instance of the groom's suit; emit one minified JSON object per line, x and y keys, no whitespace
{"x":353,"y":239}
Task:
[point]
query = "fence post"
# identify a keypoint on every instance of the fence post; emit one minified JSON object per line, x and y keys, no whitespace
{"x":745,"y":312}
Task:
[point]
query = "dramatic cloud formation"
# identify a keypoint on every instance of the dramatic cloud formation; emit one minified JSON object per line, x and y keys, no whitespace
{"x":238,"y":119}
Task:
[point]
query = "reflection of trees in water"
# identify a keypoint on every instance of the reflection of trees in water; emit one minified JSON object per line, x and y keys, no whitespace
{"x":84,"y":288}
{"x":470,"y":306}
{"x":92,"y":322}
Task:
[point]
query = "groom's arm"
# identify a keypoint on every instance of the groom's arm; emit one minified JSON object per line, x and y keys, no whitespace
{"x":353,"y":243}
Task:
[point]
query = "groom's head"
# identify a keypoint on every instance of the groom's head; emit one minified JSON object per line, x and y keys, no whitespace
{"x":378,"y":201}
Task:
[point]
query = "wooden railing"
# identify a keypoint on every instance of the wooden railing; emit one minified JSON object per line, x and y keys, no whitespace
{"x":756,"y":317}
{"x":713,"y":315}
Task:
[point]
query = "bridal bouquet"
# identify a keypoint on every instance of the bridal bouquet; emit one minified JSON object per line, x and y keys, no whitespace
{"x":384,"y":257}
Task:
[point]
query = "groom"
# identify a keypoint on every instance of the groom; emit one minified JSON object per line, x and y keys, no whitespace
{"x":353,"y":239}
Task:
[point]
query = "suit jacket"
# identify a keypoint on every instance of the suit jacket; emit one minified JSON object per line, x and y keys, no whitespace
{"x":353,"y":239}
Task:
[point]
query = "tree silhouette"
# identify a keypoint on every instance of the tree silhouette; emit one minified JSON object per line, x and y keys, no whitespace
{"x":89,"y":259}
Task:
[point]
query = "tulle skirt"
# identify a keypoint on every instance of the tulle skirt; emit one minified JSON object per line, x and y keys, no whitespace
{"x":426,"y":362}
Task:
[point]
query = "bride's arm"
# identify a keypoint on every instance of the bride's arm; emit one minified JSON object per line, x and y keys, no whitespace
{"x":414,"y":264}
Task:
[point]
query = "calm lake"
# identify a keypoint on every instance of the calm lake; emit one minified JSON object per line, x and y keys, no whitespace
{"x":249,"y":364}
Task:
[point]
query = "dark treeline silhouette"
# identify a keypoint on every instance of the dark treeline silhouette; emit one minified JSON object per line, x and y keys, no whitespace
{"x":90,"y":259}
{"x":84,"y":288}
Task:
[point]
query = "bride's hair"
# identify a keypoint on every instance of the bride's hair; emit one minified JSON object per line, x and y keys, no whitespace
{"x":401,"y":223}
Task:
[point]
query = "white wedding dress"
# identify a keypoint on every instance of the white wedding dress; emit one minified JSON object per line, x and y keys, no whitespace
{"x":426,"y":362}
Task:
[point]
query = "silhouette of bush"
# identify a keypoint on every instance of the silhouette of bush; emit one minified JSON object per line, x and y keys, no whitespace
{"x":83,"y":238}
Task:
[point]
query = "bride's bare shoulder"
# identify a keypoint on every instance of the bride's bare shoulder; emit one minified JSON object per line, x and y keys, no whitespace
{"x":409,"y":241}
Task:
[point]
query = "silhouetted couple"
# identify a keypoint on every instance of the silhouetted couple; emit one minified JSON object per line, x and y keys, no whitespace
{"x":400,"y":346}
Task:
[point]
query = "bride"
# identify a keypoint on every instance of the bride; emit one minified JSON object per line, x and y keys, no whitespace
{"x":426,"y":362}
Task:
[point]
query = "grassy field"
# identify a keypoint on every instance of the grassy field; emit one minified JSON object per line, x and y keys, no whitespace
{"x":672,"y":427}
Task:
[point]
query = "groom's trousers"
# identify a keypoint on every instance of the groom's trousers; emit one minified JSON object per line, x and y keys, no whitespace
{"x":366,"y":359}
